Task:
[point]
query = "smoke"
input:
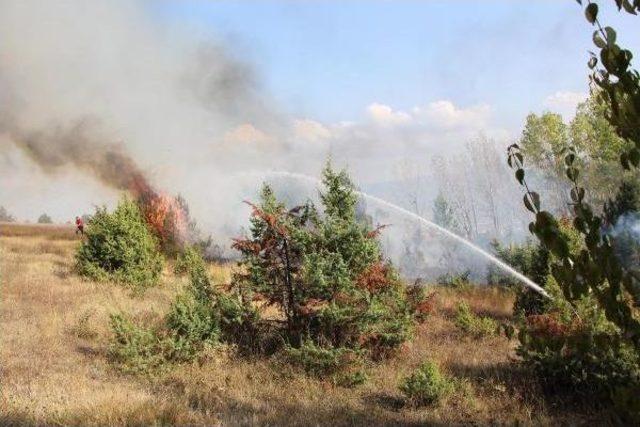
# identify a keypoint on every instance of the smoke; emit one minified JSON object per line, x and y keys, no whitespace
{"x":627,"y":224}
{"x":100,"y":88}
{"x":81,"y":146}
{"x":104,"y":99}
{"x":626,"y":243}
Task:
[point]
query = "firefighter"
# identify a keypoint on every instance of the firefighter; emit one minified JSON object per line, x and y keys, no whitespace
{"x":79,"y":225}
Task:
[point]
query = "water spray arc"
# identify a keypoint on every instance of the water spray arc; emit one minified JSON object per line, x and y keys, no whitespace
{"x":428,"y":224}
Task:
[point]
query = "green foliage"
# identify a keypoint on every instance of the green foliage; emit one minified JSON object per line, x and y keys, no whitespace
{"x":459,"y":281}
{"x":618,"y":84}
{"x":187,"y":259}
{"x":589,"y":337}
{"x":591,"y":268}
{"x":44,"y":219}
{"x":193,"y":325}
{"x":325,"y":276}
{"x":134,"y":349}
{"x":321,"y":361}
{"x":351,"y":379}
{"x":119,"y":247}
{"x":5,"y":216}
{"x":595,"y":141}
{"x":573,"y":347}
{"x":426,"y":385}
{"x":443,"y":213}
{"x":530,"y":259}
{"x":472,"y":324}
{"x":200,"y":317}
{"x":542,"y":140}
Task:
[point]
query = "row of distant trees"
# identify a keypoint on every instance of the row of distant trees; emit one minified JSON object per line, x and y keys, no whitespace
{"x":476,"y":200}
{"x":475,"y":197}
{"x":5,"y":216}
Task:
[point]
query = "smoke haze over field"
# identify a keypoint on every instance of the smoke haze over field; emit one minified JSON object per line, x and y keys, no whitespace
{"x":93,"y":94}
{"x":83,"y":81}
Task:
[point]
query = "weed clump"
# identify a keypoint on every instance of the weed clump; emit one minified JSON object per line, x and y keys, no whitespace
{"x":472,"y":324}
{"x":134,"y":349}
{"x":119,"y":247}
{"x":321,"y":361}
{"x":426,"y":385}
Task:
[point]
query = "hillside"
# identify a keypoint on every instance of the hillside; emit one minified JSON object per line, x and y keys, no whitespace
{"x":55,"y":369}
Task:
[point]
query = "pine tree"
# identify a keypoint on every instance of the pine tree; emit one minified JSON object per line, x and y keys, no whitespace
{"x":324,"y":273}
{"x":444,"y":214}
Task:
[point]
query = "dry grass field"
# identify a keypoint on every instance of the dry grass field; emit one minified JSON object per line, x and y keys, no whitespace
{"x":54,"y":367}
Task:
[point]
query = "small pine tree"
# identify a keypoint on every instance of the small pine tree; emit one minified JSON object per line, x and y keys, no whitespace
{"x":120,"y":247}
{"x":444,"y":214}
{"x":532,"y":260}
{"x":325,"y":273}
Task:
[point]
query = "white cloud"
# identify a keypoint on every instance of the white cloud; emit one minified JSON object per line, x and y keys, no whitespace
{"x":440,"y":115}
{"x":565,"y":103}
{"x":385,"y":116}
{"x":310,"y":130}
{"x":246,"y":134}
{"x":444,"y":114}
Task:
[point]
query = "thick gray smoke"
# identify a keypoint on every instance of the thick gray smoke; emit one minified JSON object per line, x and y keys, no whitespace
{"x":99,"y":88}
{"x":96,"y":95}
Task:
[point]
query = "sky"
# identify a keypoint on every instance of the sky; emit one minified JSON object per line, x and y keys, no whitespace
{"x":201,"y":92}
{"x":331,"y":59}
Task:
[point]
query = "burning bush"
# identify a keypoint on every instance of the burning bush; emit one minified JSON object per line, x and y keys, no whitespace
{"x":120,"y":247}
{"x":166,"y":216}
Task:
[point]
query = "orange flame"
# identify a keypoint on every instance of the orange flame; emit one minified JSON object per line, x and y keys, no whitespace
{"x":165,"y":216}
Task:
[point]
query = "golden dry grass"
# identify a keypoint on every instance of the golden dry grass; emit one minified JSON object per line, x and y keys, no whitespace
{"x":55,"y":335}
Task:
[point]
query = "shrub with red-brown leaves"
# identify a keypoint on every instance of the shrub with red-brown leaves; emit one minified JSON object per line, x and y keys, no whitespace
{"x":374,"y":278}
{"x":546,"y":326}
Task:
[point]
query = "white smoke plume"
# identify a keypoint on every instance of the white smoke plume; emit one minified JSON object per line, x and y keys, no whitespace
{"x":96,"y":93}
{"x":98,"y":87}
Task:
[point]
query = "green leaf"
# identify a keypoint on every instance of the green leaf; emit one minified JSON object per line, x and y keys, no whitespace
{"x":527,"y":204}
{"x":532,"y":201}
{"x":520,"y":176}
{"x":536,"y":200}
{"x":577,"y":195}
{"x":598,"y":40}
{"x":569,"y":159}
{"x":591,"y":12}
{"x":629,"y":7}
{"x":611,"y":35}
{"x":520,"y":158}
